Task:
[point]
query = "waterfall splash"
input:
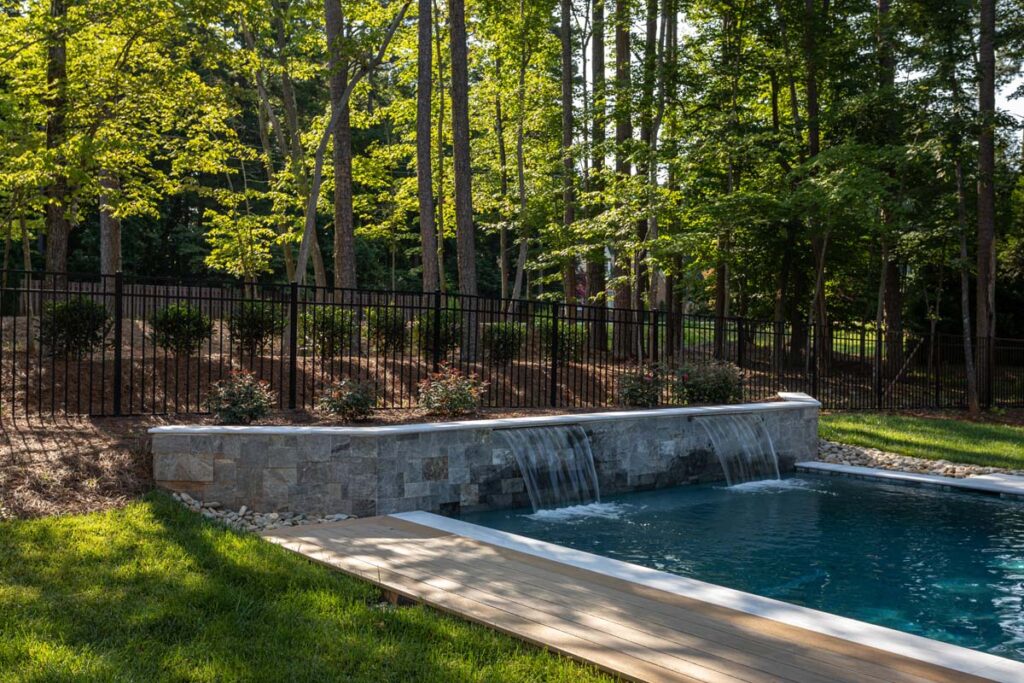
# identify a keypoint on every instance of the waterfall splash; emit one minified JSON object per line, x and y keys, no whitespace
{"x":557,"y":465}
{"x":744,"y":448}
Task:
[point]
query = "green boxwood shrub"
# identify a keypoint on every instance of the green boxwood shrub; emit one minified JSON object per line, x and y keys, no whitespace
{"x":450,"y":393}
{"x":503,"y":341}
{"x":349,"y":400}
{"x":385,"y":327}
{"x":241,"y":399}
{"x":712,"y":383}
{"x":254,"y":325}
{"x":180,"y":328}
{"x":572,"y":339}
{"x":73,"y":327}
{"x":329,"y":330}
{"x":450,"y":331}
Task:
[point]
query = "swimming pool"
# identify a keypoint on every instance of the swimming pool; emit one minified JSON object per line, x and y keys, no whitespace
{"x":943,"y":565}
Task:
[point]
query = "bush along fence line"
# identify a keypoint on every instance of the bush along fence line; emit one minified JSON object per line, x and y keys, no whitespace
{"x":119,"y":345}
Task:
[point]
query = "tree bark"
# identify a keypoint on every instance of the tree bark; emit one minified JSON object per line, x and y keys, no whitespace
{"x":110,"y":226}
{"x":438,"y":40}
{"x":596,"y":280}
{"x":58,"y":228}
{"x":370,"y":62}
{"x":622,"y":337}
{"x":524,"y":233}
{"x":344,"y":222}
{"x":986,"y":276}
{"x":973,"y":402}
{"x":568,"y":200}
{"x":465,"y":234}
{"x":424,"y":170}
{"x":499,"y":132}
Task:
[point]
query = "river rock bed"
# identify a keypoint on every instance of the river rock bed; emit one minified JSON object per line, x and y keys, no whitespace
{"x":245,"y":519}
{"x":860,"y":456}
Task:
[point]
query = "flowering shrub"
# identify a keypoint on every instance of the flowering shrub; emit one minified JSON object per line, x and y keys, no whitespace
{"x":641,"y":389}
{"x":180,"y":328}
{"x":712,"y":383}
{"x":240,"y":399}
{"x":503,"y":341}
{"x":450,"y":392}
{"x":348,"y":399}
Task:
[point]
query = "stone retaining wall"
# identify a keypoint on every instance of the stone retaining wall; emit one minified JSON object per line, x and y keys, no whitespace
{"x":447,"y":467}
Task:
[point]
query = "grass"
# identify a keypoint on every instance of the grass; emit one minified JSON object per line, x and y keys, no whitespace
{"x":153,"y":592}
{"x":987,"y":444}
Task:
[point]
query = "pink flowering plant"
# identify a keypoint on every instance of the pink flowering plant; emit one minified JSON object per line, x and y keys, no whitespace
{"x":641,"y":388}
{"x":450,"y":392}
{"x":240,"y":399}
{"x":349,"y":399}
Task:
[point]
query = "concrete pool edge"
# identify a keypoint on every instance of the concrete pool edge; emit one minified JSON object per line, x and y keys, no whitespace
{"x":950,"y":656}
{"x":997,"y":485}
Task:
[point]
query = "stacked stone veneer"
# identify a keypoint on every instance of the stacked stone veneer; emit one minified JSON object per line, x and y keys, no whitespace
{"x":450,"y":466}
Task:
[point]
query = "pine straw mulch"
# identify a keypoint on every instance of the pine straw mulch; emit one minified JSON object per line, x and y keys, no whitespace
{"x":74,"y":465}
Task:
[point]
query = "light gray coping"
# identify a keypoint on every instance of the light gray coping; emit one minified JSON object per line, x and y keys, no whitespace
{"x":792,"y":401}
{"x":923,"y":649}
{"x":1000,"y":484}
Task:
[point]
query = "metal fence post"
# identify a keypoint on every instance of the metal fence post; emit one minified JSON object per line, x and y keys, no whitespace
{"x":741,"y":342}
{"x":879,"y":394}
{"x":293,"y":346}
{"x":654,"y":335}
{"x":814,"y":360}
{"x":990,"y":371}
{"x":554,"y":355}
{"x":436,"y":335}
{"x":118,"y":339}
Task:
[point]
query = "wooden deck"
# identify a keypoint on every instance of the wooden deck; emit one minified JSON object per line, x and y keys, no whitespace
{"x":630,"y":630}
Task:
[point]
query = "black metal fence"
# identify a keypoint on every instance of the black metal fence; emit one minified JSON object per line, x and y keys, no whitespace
{"x":562,"y":355}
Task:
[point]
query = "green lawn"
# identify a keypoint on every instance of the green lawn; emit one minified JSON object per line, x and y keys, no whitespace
{"x":994,"y":445}
{"x":154,"y":592}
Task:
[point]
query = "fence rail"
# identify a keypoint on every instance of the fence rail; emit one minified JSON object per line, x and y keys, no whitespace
{"x":565,"y":355}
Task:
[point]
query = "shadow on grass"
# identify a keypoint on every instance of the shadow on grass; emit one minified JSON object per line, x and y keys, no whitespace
{"x":153,"y":592}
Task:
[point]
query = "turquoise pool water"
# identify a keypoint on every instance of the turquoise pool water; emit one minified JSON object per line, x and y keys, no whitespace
{"x":944,"y":565}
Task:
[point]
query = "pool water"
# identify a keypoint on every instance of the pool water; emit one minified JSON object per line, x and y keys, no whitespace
{"x":939,"y":564}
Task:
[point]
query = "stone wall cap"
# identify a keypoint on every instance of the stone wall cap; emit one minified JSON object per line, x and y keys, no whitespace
{"x":790,"y":401}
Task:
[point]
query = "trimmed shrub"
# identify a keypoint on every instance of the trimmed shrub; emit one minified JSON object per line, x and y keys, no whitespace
{"x":640,"y":389}
{"x":254,"y":325}
{"x":450,"y":393}
{"x":327,"y":329}
{"x":450,"y":331}
{"x":503,"y":341}
{"x":572,"y":339}
{"x":708,"y":384}
{"x":240,"y":399}
{"x":348,"y":399}
{"x":180,"y":328}
{"x":385,"y":326}
{"x":73,"y":327}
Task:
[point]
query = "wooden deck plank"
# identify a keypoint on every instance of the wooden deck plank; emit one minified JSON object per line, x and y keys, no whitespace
{"x":631,"y":630}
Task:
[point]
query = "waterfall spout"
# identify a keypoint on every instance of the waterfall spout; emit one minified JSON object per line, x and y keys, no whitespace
{"x":557,"y":465}
{"x":743,"y":447}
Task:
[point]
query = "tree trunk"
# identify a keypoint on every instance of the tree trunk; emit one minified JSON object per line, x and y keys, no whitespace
{"x":499,"y":132}
{"x":568,"y":200}
{"x":110,"y":226}
{"x":465,"y":235}
{"x":344,"y":223}
{"x":973,"y":402}
{"x":58,"y":228}
{"x":524,"y":233}
{"x":986,"y":287}
{"x":622,"y":335}
{"x":438,"y":40}
{"x":424,"y":170}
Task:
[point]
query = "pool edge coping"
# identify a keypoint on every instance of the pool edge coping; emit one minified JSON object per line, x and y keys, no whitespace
{"x":973,"y":483}
{"x":787,"y":401}
{"x":953,"y":657}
